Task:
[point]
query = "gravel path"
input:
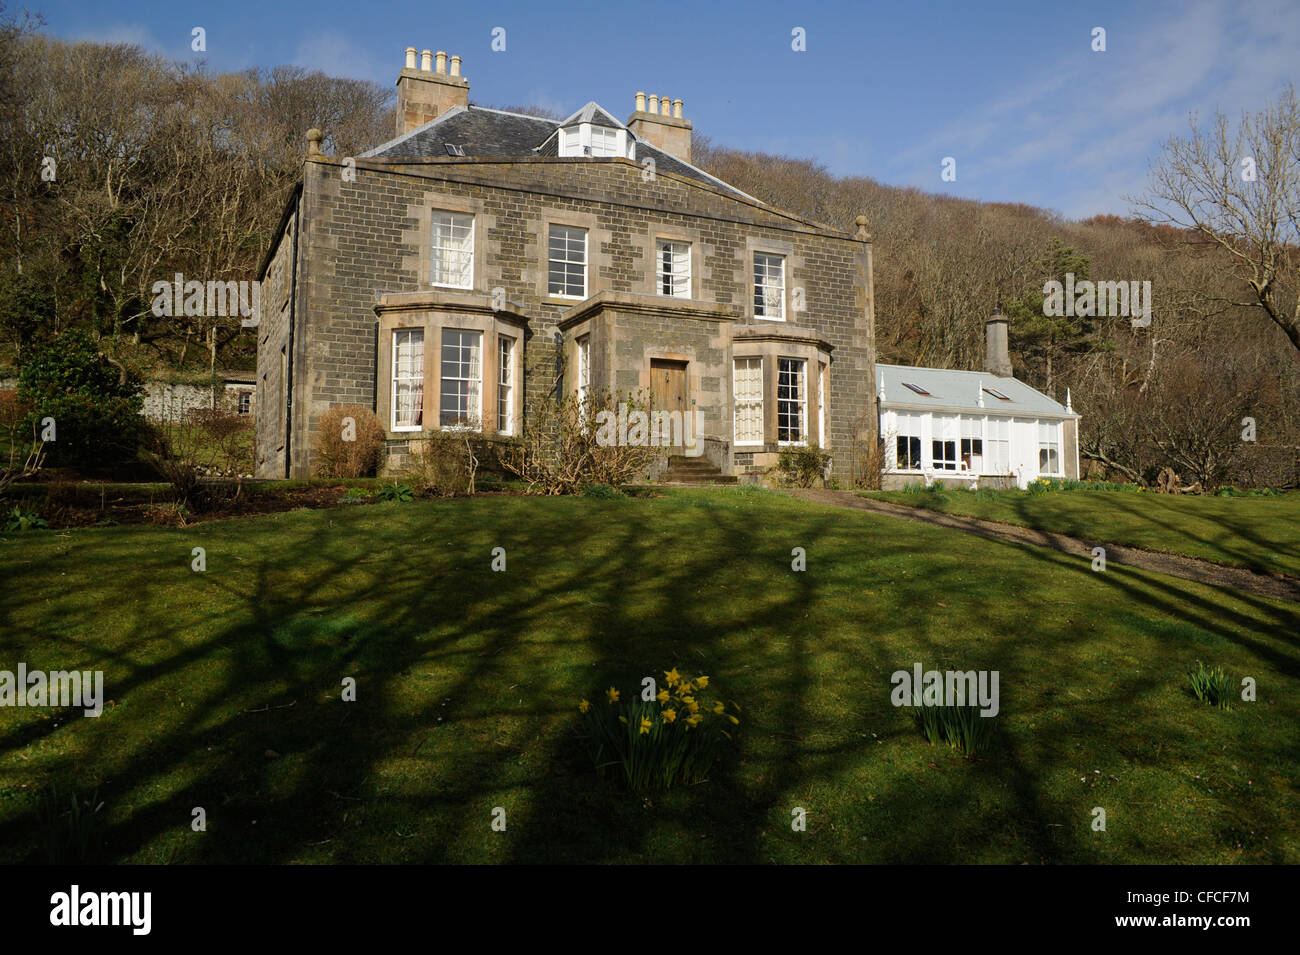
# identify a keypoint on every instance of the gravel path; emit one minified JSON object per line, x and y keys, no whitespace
{"x":1189,"y":568}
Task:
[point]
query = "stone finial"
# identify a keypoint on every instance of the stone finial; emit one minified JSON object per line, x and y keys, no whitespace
{"x":440,"y":61}
{"x":862,"y":232}
{"x":677,"y":109}
{"x":640,"y":101}
{"x":455,"y":66}
{"x":314,"y":139}
{"x":426,"y":61}
{"x":410,"y":57}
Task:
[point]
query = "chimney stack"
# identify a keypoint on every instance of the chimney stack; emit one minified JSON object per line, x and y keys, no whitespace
{"x":426,"y":93}
{"x":660,"y":123}
{"x":997,"y":358}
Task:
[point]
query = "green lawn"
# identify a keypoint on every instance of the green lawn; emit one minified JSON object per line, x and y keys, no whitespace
{"x":468,"y":680}
{"x":1259,"y":533}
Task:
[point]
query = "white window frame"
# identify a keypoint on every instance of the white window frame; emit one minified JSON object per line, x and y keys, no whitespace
{"x":997,"y":446}
{"x":908,"y":426}
{"x":944,"y":431}
{"x":505,"y":385}
{"x":750,"y":403}
{"x":551,"y":261}
{"x":676,"y":272}
{"x":972,"y":430}
{"x":1049,"y":440}
{"x":822,"y":370}
{"x":767,"y":292}
{"x":474,"y":384}
{"x":801,"y":402}
{"x":452,"y":224}
{"x":415,"y":375}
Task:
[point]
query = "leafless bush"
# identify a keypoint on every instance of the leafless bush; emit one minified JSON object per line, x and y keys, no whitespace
{"x":349,"y":442}
{"x":443,"y":463}
{"x":559,"y":452}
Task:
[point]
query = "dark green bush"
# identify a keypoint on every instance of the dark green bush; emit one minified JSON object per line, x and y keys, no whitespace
{"x":802,"y":466}
{"x":95,"y":404}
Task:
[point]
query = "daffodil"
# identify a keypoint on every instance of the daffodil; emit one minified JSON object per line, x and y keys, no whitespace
{"x":645,"y":725}
{"x":688,"y":699}
{"x":693,"y":707}
{"x":670,"y":715}
{"x":612,"y":695}
{"x":694,"y":720}
{"x":584,"y":706}
{"x":623,"y":720}
{"x":733,"y":719}
{"x":672,"y":676}
{"x":718,"y":708}
{"x":662,"y":696}
{"x":702,"y":681}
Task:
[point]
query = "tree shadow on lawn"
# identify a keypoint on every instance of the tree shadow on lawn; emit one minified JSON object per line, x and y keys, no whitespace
{"x":412,"y":773}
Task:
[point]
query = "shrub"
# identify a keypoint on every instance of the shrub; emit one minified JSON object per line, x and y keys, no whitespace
{"x":356,"y":495}
{"x":1214,"y":687}
{"x":348,"y":449}
{"x":95,"y":402}
{"x":20,"y":520}
{"x":561,"y":450}
{"x":398,"y":493}
{"x":674,"y":738}
{"x":443,"y":463}
{"x":960,"y":726}
{"x":601,"y":491}
{"x":190,"y":445}
{"x":22,"y":455}
{"x":802,"y":466}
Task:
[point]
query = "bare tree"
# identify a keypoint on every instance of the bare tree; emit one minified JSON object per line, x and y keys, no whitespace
{"x":1241,"y":191}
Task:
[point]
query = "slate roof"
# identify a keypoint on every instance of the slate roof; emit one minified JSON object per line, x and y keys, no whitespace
{"x":961,"y":391}
{"x":496,"y":134}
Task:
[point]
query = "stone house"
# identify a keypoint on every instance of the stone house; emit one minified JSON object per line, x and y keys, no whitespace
{"x":482,"y":258}
{"x":973,"y":428}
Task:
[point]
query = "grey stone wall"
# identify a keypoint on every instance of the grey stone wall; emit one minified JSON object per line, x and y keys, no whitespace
{"x":365,"y":237}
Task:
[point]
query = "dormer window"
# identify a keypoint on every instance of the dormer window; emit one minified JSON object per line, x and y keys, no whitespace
{"x":588,"y":139}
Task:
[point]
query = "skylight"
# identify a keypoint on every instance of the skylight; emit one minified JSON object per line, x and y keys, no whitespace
{"x":454,"y":150}
{"x":996,"y":394}
{"x":917,"y":388}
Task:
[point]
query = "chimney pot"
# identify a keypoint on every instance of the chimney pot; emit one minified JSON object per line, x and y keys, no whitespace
{"x":654,"y":103}
{"x":410,"y":57}
{"x":441,"y":60}
{"x":640,"y":101}
{"x":455,"y":66}
{"x":665,"y":106}
{"x":426,"y":61}
{"x":677,"y":109}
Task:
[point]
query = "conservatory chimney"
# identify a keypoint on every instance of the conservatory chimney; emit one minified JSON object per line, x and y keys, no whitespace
{"x":997,"y":359}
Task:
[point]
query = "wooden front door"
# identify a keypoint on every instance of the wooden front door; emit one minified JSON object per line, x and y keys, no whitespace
{"x":668,"y":390}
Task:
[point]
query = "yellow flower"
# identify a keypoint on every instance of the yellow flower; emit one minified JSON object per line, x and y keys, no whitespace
{"x":672,"y":676}
{"x":694,"y":720}
{"x":702,"y":681}
{"x":662,"y":696}
{"x":718,"y":708}
{"x":612,"y":695}
{"x":584,"y":706}
{"x":645,"y":725}
{"x":688,"y":699}
{"x":623,"y":720}
{"x":670,"y":715}
{"x":733,"y":719}
{"x":693,"y":707}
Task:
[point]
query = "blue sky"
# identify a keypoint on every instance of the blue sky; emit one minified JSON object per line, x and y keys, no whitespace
{"x":1012,"y":90}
